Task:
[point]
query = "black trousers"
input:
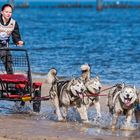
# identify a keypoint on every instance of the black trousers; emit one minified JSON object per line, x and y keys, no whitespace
{"x":6,"y":59}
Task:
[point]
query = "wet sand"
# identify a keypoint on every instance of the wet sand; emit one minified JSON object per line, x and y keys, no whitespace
{"x":29,"y":126}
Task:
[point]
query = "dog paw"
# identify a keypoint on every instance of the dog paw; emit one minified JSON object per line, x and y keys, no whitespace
{"x":113,"y":128}
{"x":88,"y":124}
{"x":61,"y":120}
{"x":128,"y":127}
{"x":85,"y":121}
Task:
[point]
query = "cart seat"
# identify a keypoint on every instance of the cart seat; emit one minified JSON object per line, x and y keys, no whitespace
{"x":13,"y":78}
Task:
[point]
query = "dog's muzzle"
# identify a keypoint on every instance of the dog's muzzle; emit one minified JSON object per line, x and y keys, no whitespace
{"x":98,"y":91}
{"x":127,"y":101}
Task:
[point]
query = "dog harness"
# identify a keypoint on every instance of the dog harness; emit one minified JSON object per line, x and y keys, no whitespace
{"x":61,"y":85}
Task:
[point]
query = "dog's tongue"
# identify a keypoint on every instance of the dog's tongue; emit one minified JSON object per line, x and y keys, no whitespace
{"x":127,"y":102}
{"x":81,"y":96}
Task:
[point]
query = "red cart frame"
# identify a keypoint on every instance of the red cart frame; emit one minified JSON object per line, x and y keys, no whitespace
{"x":18,"y":86}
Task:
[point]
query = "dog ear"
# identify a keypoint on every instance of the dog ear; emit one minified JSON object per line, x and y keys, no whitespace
{"x":70,"y":83}
{"x":123,"y":85}
{"x":97,"y":77}
{"x":135,"y":98}
{"x":134,"y":88}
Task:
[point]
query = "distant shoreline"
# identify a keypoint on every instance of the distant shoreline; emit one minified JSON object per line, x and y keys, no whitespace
{"x":75,"y":4}
{"x":79,"y":6}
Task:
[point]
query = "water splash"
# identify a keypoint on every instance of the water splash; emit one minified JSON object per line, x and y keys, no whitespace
{"x":18,"y":108}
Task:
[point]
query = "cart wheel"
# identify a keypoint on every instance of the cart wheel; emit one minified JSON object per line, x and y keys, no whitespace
{"x":37,"y":104}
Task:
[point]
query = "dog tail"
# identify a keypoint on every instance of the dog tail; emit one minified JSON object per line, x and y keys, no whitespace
{"x":51,"y":76}
{"x":85,"y":72}
{"x":85,"y":67}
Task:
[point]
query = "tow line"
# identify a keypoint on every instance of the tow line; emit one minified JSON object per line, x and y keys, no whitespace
{"x":98,"y":94}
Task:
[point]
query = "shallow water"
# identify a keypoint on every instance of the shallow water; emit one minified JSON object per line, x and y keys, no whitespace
{"x":99,"y":127}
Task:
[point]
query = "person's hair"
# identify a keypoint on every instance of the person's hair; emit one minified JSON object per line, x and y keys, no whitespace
{"x":6,"y":5}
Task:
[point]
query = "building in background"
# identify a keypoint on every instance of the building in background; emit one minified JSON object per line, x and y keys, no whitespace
{"x":15,"y":3}
{"x":95,"y":4}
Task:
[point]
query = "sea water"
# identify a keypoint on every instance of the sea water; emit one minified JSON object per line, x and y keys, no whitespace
{"x":66,"y":38}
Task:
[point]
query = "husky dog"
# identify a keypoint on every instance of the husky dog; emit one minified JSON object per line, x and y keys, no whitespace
{"x":122,"y":100}
{"x":66,"y":93}
{"x":93,"y":86}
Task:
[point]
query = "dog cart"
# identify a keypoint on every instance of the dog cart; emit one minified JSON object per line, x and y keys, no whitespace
{"x":18,"y":85}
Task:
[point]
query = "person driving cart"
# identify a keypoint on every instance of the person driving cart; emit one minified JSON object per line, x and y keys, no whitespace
{"x":8,"y":28}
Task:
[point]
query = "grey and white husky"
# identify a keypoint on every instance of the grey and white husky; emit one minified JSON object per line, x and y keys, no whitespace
{"x":66,"y":93}
{"x":122,"y":100}
{"x":93,"y":87}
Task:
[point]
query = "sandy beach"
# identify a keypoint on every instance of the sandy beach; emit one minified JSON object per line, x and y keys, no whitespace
{"x":33,"y":127}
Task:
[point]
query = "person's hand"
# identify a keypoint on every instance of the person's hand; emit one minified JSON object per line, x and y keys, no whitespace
{"x":20,"y":43}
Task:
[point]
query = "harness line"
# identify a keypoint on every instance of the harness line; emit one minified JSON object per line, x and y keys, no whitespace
{"x":96,"y":94}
